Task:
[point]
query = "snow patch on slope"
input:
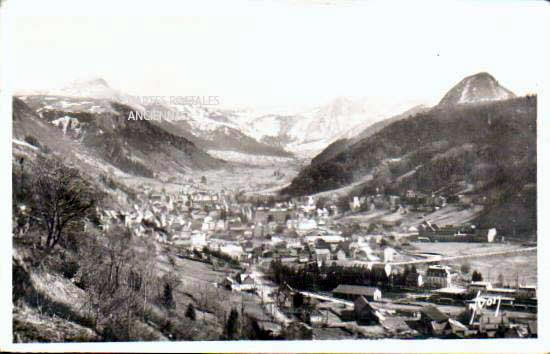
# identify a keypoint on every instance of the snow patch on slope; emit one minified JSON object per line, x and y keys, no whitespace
{"x":24,"y":143}
{"x":67,"y":122}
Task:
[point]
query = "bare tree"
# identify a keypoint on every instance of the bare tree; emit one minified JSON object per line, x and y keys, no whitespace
{"x":117,"y":280}
{"x":61,"y":198}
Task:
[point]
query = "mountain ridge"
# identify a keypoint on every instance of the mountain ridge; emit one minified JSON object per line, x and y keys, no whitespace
{"x":135,"y":147}
{"x":208,"y":128}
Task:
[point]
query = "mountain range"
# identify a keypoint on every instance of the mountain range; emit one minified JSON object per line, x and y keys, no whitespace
{"x":210,"y":130}
{"x":232,"y":135}
{"x":97,"y":132}
{"x":479,"y":140}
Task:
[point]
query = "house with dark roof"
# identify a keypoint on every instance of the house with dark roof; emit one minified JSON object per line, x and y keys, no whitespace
{"x":364,"y":313}
{"x":351,"y":292}
{"x":438,"y":276}
{"x":432,"y":320}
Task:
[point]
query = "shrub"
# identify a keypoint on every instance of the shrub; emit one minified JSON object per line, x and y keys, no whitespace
{"x":232,"y":325}
{"x":70,"y":268}
{"x":32,"y":140}
{"x":477,"y":276}
{"x":167,"y":296}
{"x":191,"y":313}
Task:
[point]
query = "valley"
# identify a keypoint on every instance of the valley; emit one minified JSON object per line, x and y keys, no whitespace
{"x":349,"y":220}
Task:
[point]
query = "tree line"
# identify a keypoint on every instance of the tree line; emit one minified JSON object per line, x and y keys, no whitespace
{"x":312,"y":277}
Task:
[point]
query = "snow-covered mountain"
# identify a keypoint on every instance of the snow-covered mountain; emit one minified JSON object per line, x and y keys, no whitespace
{"x":481,"y":87}
{"x":308,"y":132}
{"x":94,"y":88}
{"x":98,"y":131}
{"x":303,"y":132}
{"x":208,"y":127}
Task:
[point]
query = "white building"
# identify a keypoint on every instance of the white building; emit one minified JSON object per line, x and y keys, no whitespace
{"x":438,"y":276}
{"x":234,"y":251}
{"x":388,"y":254}
{"x":356,"y":204}
{"x":322,"y":255}
{"x":326,"y":238}
{"x":198,"y":240}
{"x":306,"y":225}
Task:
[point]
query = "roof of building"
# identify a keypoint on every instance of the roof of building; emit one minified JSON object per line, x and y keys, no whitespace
{"x":528,"y":287}
{"x":457,"y":326}
{"x":502,"y":290}
{"x":355,"y":290}
{"x":433,"y":313}
{"x":438,"y":271}
{"x":451,"y":290}
{"x":481,"y":283}
{"x":361,"y":303}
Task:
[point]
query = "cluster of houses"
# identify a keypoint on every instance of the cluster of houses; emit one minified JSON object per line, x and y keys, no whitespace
{"x":300,"y":231}
{"x":369,"y":309}
{"x":432,"y":232}
{"x":167,"y":217}
{"x":300,"y":228}
{"x":366,"y":306}
{"x":196,"y":219}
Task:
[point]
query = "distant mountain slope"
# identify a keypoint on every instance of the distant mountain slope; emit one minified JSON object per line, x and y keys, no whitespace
{"x":342,"y":144}
{"x":46,"y":138}
{"x":102,"y":126}
{"x":306,"y":133}
{"x":215,"y":130}
{"x":26,"y":124}
{"x":206,"y":126}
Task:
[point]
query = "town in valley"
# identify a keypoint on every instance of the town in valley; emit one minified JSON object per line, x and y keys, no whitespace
{"x":383,"y":187}
{"x":235,"y":253}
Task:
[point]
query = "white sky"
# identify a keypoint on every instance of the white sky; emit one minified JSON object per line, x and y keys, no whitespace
{"x":280,"y":53}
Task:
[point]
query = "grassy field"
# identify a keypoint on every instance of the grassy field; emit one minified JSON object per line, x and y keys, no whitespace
{"x":448,"y":215}
{"x":452,"y":249}
{"x":198,"y":284}
{"x":251,"y":179}
{"x":522,"y":266}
